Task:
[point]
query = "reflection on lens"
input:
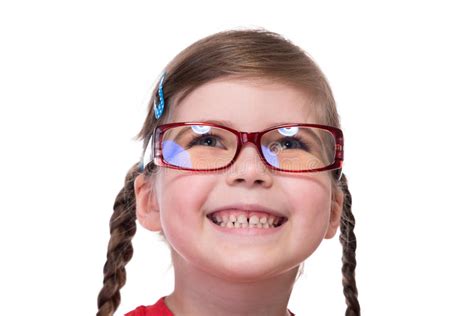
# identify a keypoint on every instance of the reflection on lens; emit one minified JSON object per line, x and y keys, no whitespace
{"x":201,"y":129}
{"x":288,"y":131}
{"x":270,"y":157}
{"x":176,"y":155}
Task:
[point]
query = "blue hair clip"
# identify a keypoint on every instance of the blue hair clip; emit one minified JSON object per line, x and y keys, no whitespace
{"x":160,"y":107}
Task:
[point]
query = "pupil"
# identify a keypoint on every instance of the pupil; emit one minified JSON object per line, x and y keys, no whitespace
{"x":288,"y":144}
{"x":208,"y":141}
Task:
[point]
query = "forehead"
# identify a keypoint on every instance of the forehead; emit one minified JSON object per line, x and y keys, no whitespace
{"x":246,"y":104}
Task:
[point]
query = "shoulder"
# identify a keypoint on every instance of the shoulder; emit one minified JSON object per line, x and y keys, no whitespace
{"x":157,"y":309}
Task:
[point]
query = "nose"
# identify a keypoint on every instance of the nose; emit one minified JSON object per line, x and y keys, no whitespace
{"x":248,"y":169}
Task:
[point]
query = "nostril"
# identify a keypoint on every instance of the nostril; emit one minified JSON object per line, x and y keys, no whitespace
{"x":241,"y":180}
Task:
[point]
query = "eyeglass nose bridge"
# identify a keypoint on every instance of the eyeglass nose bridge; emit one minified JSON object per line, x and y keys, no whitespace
{"x":249,"y":138}
{"x":254,"y":138}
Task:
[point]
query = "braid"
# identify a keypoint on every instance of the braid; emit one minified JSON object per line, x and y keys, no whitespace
{"x":120,"y":250}
{"x":349,"y":245}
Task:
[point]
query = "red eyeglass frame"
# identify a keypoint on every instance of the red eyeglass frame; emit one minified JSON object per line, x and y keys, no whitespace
{"x":255,"y":138}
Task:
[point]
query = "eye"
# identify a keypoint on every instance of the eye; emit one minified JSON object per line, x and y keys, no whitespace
{"x":207,"y":140}
{"x":292,"y":143}
{"x":287,"y":143}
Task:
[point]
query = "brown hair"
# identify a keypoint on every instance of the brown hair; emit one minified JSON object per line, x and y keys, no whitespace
{"x":254,"y":53}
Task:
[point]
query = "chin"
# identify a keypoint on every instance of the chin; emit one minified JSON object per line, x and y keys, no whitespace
{"x":247,"y":270}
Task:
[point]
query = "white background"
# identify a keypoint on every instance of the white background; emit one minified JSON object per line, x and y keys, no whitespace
{"x":75,"y":78}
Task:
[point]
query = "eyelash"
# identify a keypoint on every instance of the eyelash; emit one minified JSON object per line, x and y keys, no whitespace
{"x":196,"y":139}
{"x":303,"y":144}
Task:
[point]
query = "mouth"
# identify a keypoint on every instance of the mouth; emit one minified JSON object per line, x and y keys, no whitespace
{"x":246,"y":219}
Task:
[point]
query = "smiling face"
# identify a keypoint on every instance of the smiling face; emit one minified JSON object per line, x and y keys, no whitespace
{"x":186,"y":200}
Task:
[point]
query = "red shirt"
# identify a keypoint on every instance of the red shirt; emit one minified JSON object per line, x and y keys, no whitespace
{"x":158,"y":309}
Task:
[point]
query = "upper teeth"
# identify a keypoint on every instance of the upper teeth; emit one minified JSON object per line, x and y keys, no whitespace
{"x":242,"y":221}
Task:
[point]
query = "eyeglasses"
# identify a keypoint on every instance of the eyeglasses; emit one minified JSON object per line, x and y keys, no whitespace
{"x":198,"y":146}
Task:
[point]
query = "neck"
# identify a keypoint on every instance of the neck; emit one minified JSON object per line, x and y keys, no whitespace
{"x":199,"y":293}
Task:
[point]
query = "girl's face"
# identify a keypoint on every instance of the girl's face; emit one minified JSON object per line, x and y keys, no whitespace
{"x":184,"y":199}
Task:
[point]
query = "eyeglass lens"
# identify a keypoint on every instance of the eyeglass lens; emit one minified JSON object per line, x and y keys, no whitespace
{"x":293,"y":148}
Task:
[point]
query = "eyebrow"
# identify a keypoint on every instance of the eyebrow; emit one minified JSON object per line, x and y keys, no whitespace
{"x":218,"y":122}
{"x":231,"y":125}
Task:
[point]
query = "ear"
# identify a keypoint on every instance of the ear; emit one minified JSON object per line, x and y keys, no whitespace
{"x":336,"y":211}
{"x":147,"y":211}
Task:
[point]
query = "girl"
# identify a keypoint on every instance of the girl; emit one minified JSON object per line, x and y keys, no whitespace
{"x":241,"y":175}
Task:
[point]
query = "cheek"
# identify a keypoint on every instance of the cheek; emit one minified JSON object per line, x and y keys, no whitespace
{"x":311,"y":204}
{"x":181,"y":192}
{"x":180,"y":199}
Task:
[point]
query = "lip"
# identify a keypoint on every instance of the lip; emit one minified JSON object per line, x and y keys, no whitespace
{"x":251,"y":207}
